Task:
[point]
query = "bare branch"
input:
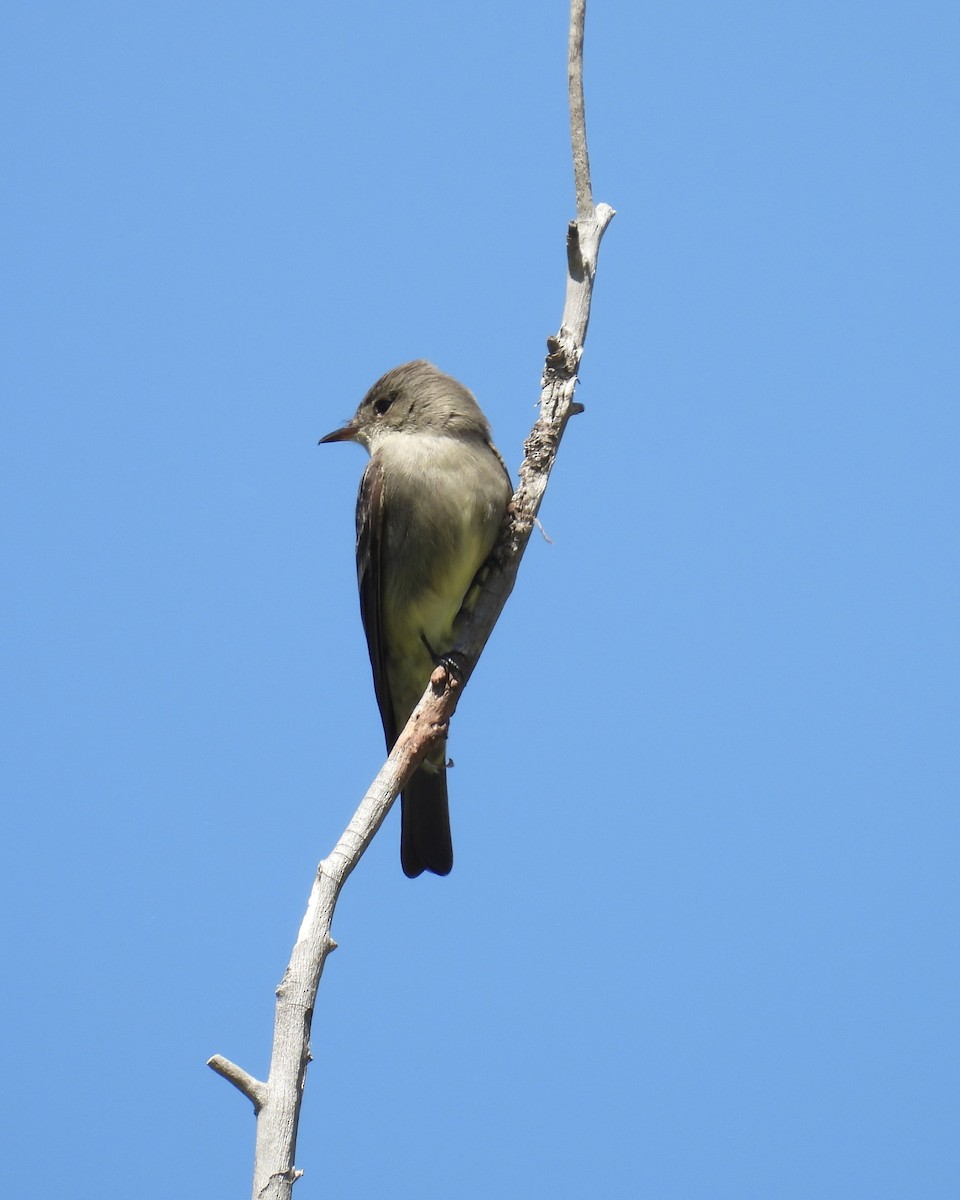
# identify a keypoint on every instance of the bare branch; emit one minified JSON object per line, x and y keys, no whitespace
{"x":578,"y":118}
{"x":278,"y":1101}
{"x":253,"y":1089}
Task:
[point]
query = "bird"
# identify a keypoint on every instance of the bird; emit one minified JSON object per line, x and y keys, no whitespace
{"x":430,"y":505}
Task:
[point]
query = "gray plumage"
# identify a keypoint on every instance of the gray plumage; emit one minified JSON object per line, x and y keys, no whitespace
{"x":430,"y":504}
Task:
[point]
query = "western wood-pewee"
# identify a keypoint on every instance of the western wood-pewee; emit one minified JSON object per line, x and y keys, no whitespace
{"x":428,"y":511}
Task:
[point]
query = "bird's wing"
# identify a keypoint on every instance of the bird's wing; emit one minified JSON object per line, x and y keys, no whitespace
{"x":506,"y":470}
{"x":370,"y":526}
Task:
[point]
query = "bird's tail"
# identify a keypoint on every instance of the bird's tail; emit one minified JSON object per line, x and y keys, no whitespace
{"x":425,"y":840}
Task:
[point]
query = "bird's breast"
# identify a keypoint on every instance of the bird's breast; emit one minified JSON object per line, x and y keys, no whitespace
{"x":442,"y":506}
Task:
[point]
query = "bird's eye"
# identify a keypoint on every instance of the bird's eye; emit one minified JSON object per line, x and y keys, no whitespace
{"x":380,"y":406}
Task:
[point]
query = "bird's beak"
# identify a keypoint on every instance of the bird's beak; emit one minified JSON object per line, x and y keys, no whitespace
{"x":347,"y":434}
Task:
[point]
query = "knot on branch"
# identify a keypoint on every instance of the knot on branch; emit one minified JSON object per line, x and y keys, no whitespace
{"x":563,"y":358}
{"x":540,"y":448}
{"x":575,"y":261}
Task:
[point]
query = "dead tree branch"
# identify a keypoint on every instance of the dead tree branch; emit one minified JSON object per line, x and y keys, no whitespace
{"x":277,"y":1100}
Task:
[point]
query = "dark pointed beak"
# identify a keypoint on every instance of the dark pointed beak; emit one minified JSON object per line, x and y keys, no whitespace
{"x":347,"y":434}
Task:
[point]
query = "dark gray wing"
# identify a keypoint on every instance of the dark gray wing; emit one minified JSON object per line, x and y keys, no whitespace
{"x":369,"y":581}
{"x":425,"y":842}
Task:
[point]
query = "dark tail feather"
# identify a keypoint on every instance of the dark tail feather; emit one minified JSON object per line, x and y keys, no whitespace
{"x":425,"y":841}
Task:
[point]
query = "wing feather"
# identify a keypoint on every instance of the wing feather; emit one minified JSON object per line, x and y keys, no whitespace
{"x":370,"y":582}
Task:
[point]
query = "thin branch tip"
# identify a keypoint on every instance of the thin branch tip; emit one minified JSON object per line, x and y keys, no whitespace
{"x":255,"y":1090}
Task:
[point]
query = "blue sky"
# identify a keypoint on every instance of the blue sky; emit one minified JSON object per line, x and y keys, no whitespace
{"x":701,"y":939}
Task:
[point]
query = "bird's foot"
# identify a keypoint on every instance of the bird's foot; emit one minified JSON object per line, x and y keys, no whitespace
{"x":450,"y":668}
{"x":455,"y":666}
